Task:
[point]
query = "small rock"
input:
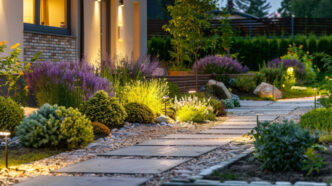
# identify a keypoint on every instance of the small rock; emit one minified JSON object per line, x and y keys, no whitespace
{"x":161,"y":119}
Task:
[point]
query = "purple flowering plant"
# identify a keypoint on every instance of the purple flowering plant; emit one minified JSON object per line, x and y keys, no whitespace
{"x":219,"y":65}
{"x":285,"y":63}
{"x":56,"y":83}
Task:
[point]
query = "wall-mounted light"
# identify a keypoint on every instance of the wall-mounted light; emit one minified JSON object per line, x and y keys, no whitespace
{"x":98,"y":1}
{"x":120,"y":20}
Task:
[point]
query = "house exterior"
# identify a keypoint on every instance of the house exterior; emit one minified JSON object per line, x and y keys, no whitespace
{"x":75,"y":29}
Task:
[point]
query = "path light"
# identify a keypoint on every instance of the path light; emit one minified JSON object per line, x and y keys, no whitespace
{"x":315,"y":97}
{"x":6,"y":134}
{"x":165,"y":98}
{"x":257,"y":117}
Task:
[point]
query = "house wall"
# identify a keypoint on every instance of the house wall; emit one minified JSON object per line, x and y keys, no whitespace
{"x":125,"y":47}
{"x":11,"y":19}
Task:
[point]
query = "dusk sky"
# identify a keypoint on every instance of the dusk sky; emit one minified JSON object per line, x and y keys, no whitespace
{"x":275,"y":4}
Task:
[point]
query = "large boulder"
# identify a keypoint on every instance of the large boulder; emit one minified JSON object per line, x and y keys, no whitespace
{"x":222,"y":86}
{"x":265,"y":90}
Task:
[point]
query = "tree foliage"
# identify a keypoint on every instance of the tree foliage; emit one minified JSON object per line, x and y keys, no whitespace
{"x":312,"y":8}
{"x":257,"y":8}
{"x":286,"y":8}
{"x":189,"y":20}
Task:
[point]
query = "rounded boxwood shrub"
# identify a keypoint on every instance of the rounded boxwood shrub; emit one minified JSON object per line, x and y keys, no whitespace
{"x":139,"y":113}
{"x":218,"y":107}
{"x":218,"y":92}
{"x":100,"y":129}
{"x":11,"y":114}
{"x":281,"y":146}
{"x":55,"y":126}
{"x":319,"y":119}
{"x":104,"y":109}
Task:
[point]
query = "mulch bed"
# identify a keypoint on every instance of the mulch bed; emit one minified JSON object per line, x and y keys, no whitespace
{"x":248,"y":169}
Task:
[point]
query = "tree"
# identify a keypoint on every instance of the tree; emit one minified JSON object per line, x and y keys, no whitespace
{"x":286,"y":8}
{"x":189,"y":20}
{"x":304,"y":8}
{"x":257,"y":8}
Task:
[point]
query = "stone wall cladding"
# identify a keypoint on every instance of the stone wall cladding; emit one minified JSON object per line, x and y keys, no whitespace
{"x":52,"y":47}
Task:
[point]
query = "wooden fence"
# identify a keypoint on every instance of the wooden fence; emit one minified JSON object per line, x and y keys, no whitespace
{"x":265,"y":26}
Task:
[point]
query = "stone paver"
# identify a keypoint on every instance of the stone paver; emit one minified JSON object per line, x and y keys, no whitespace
{"x":186,"y":142}
{"x":239,"y":123}
{"x":160,"y":151}
{"x":199,"y":136}
{"x":82,"y":181}
{"x":225,"y":131}
{"x":234,"y":127}
{"x":123,"y":166}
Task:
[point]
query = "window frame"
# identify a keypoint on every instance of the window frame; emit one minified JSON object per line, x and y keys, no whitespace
{"x":38,"y":28}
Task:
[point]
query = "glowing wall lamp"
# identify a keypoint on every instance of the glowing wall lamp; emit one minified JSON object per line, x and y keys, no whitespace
{"x":6,"y":134}
{"x":120,"y":20}
{"x":98,"y":1}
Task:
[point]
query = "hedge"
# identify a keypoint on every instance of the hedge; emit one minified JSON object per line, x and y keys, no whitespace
{"x":253,"y":52}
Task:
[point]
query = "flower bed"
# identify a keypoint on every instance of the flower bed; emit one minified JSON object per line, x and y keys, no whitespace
{"x":250,"y":170}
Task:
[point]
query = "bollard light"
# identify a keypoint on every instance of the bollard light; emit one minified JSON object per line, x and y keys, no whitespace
{"x":6,"y":134}
{"x":315,"y":98}
{"x":257,"y":117}
{"x":165,"y":98}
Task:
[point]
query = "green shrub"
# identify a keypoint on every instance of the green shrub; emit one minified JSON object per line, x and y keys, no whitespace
{"x":229,"y":103}
{"x":100,"y":129}
{"x":139,"y":113}
{"x":159,"y":47}
{"x":104,"y":109}
{"x":245,"y":84}
{"x":218,"y":107}
{"x":55,"y":126}
{"x":236,"y":101}
{"x":173,"y":90}
{"x":322,"y":61}
{"x":11,"y":114}
{"x":193,"y":109}
{"x":148,"y":92}
{"x":281,"y":146}
{"x":319,"y":119}
{"x":272,"y":75}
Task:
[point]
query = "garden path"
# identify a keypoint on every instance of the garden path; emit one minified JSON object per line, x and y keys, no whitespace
{"x":153,"y":157}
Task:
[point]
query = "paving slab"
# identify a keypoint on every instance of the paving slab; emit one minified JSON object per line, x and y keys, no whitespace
{"x":199,"y":136}
{"x":160,"y":151}
{"x":122,"y":166}
{"x":234,"y":127}
{"x":250,"y":103}
{"x":82,"y":181}
{"x":230,"y":132}
{"x":186,"y":142}
{"x":239,"y":123}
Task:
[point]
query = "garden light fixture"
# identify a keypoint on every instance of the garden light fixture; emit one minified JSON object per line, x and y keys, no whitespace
{"x":257,"y":117}
{"x":165,"y":98}
{"x":6,"y":134}
{"x":315,"y":97}
{"x":121,"y":3}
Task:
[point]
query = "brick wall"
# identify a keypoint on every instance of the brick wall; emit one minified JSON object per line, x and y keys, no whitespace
{"x":52,"y":47}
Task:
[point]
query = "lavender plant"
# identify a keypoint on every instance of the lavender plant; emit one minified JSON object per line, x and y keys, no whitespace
{"x":65,"y":83}
{"x":219,"y":65}
{"x":297,"y":65}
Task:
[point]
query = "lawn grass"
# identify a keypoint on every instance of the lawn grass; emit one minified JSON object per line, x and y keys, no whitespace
{"x":25,"y":155}
{"x":297,"y":93}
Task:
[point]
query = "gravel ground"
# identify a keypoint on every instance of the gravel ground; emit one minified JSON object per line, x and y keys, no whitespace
{"x":129,"y":135}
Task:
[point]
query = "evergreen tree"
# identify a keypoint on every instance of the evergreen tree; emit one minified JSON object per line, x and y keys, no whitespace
{"x":286,"y":8}
{"x":257,"y":8}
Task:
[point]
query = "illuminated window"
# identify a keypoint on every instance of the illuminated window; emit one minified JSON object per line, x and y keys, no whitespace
{"x":53,"y":13}
{"x":47,"y":16}
{"x":29,"y":11}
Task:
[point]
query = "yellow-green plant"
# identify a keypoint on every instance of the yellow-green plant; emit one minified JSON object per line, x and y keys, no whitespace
{"x":13,"y":69}
{"x":193,"y":109}
{"x":147,"y":92}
